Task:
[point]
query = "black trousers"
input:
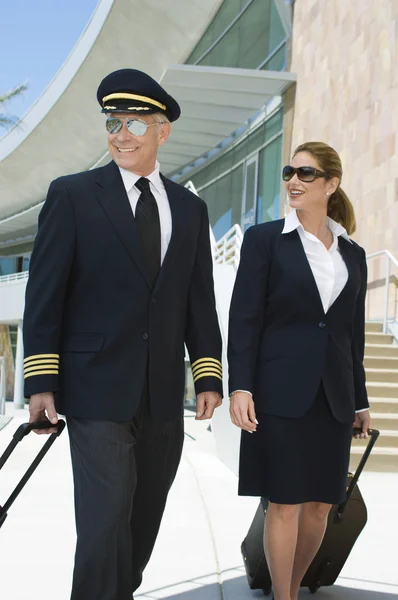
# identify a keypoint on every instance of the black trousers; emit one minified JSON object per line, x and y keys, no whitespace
{"x":122,"y":475}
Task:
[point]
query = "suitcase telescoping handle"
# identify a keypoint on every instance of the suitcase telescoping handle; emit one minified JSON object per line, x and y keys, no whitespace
{"x":21,"y":432}
{"x":373,"y":435}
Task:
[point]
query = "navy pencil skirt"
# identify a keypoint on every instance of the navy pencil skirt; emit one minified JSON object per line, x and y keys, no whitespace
{"x":297,"y":460}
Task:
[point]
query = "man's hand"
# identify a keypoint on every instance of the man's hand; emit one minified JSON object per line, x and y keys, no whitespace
{"x":362,"y":421}
{"x":242,"y":411}
{"x":42,"y":408}
{"x":206,"y":403}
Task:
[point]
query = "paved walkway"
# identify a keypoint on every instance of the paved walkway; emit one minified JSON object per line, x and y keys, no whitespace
{"x":197,"y":556}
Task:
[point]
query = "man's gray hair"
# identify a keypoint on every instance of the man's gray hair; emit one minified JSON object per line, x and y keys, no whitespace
{"x":160,"y":118}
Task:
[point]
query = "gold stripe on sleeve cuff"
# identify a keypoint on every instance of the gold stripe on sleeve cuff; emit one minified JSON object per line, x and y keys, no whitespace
{"x":43,"y":363}
{"x":40,"y":357}
{"x":213,"y":371}
{"x":207,"y":374}
{"x":47,"y":372}
{"x":206,"y":359}
{"x":205,"y":365}
{"x":40,"y":367}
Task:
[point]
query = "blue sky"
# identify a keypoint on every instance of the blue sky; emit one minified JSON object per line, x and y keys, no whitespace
{"x":36,"y":37}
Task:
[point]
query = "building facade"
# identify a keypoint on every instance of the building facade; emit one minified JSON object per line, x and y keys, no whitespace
{"x":240,"y":178}
{"x":343,"y":56}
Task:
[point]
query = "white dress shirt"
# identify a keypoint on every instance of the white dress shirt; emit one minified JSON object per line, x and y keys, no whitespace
{"x":159,"y":192}
{"x":328,"y":267}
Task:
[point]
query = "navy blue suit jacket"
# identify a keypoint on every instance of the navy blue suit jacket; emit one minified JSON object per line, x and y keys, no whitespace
{"x":282,"y":344}
{"x":93,"y":325}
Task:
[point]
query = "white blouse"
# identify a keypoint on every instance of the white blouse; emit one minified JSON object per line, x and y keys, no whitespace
{"x":328,"y":266}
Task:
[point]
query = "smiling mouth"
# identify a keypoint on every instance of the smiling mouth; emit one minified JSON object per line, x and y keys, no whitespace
{"x":124,"y":150}
{"x":296,"y":193}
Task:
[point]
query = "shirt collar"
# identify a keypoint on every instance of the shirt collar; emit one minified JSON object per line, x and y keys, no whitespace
{"x":130,"y":179}
{"x":292,"y":222}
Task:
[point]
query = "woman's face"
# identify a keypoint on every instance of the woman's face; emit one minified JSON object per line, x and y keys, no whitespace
{"x":309,"y":195}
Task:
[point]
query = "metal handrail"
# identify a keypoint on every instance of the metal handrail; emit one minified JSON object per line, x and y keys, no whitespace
{"x":227,"y":249}
{"x":389,"y":259}
{"x":14,"y":277}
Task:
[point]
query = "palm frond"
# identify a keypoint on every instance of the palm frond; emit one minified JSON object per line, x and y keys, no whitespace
{"x":13,"y":93}
{"x":7,"y":121}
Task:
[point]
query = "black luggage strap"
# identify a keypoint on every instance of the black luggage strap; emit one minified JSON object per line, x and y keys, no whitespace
{"x":21,"y":432}
{"x":373,"y":435}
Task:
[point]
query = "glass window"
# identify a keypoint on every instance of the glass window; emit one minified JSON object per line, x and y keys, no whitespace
{"x":277,"y":62}
{"x":276,"y":30}
{"x":229,"y":199}
{"x":7,"y":266}
{"x":236,"y":194}
{"x":248,"y":42}
{"x":226,"y":14}
{"x":269,"y":182}
{"x":249,"y":218}
{"x":13,"y":329}
{"x":25,"y":264}
{"x":218,"y":198}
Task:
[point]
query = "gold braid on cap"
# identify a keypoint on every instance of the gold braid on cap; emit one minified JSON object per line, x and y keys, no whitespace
{"x":122,"y":96}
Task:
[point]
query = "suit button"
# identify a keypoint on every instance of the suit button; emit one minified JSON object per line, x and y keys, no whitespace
{"x":322,"y":324}
{"x":153,"y":300}
{"x":145,"y":336}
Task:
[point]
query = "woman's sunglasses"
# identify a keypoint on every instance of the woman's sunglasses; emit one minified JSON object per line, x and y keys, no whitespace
{"x":306,"y":174}
{"x":135,"y":126}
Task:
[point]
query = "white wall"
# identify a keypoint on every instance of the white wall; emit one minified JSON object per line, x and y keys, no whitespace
{"x":12,"y":301}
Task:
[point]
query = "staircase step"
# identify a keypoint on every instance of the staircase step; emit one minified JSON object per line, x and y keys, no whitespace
{"x":381,"y":420}
{"x":382,"y":375}
{"x":378,"y":338}
{"x":383,"y":405}
{"x":381,"y":362}
{"x":389,"y":350}
{"x":373,"y":327}
{"x":382,"y":389}
{"x":381,"y":459}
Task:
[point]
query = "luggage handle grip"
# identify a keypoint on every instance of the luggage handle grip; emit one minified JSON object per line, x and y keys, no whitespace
{"x":26,"y":428}
{"x":21,"y":432}
{"x":373,"y":435}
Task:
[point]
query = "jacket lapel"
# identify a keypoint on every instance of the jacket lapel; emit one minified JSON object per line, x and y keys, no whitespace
{"x":112,"y":195}
{"x":348,"y":253}
{"x":178,"y":213}
{"x":298,"y":264}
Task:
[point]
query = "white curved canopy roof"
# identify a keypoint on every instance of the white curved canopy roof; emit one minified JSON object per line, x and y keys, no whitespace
{"x":64,"y":131}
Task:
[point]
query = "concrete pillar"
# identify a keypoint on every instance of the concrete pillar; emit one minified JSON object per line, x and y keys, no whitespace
{"x":19,"y":401}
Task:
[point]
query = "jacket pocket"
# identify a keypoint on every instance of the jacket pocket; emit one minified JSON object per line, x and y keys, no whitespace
{"x":83,"y":342}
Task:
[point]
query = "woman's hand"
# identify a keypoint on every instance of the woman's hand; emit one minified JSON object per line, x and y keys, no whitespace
{"x":362,"y":421}
{"x":242,"y":411}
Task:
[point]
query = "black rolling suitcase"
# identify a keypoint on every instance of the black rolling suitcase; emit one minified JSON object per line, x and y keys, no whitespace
{"x":21,"y":432}
{"x":345,"y":523}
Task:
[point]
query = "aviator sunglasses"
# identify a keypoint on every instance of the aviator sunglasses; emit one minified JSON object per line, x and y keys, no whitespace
{"x":306,"y":174}
{"x":135,"y":126}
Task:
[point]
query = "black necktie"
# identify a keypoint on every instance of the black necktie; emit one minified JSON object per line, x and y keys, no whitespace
{"x":147,"y":217}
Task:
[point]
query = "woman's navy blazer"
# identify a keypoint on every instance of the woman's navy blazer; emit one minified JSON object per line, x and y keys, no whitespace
{"x":282,"y":344}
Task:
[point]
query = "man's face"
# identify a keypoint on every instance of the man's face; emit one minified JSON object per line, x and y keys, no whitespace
{"x":137,"y":153}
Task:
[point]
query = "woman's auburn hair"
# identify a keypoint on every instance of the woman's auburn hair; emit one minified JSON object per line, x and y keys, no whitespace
{"x":340,"y":208}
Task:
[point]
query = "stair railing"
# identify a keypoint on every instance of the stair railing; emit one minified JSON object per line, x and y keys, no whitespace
{"x":389,"y":260}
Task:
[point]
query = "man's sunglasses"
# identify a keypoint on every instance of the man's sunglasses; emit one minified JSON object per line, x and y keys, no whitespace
{"x":306,"y":174}
{"x":135,"y":126}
